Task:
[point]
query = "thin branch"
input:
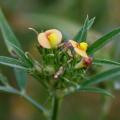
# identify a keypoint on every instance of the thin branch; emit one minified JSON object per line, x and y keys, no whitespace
{"x":36,"y":104}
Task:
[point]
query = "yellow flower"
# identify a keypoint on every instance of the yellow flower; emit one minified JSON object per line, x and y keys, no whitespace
{"x":80,"y":48}
{"x":50,"y":38}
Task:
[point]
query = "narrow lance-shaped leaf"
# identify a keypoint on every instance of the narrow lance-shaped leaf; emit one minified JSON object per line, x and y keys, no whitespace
{"x":21,"y":78}
{"x":105,"y":62}
{"x":9,"y":37}
{"x":8,"y":89}
{"x":101,"y":42}
{"x":82,"y":34}
{"x":79,"y":88}
{"x":95,"y":90}
{"x":11,"y":41}
{"x":101,"y":77}
{"x":7,"y":33}
{"x":90,"y":23}
{"x":11,"y":62}
{"x":3,"y":79}
{"x":21,"y":55}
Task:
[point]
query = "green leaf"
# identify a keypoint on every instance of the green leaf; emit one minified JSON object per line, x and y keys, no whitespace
{"x":79,"y":88}
{"x":7,"y":33}
{"x":105,"y":62}
{"x":21,"y":55}
{"x":12,"y":43}
{"x":21,"y":77}
{"x":101,"y":77}
{"x":82,"y":34}
{"x":90,"y":23}
{"x":95,"y":90}
{"x":101,"y":42}
{"x":3,"y":79}
{"x":8,"y":89}
{"x":12,"y":62}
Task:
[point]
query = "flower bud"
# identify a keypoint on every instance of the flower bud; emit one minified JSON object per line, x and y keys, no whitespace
{"x":84,"y":63}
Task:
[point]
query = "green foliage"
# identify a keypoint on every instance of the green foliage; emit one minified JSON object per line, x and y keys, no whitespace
{"x":56,"y":68}
{"x":21,"y":55}
{"x":12,"y":62}
{"x":3,"y":79}
{"x":105,"y":62}
{"x":21,"y":64}
{"x":90,"y":23}
{"x":21,"y":78}
{"x":13,"y":46}
{"x":104,"y":76}
{"x":8,"y":89}
{"x":82,"y":34}
{"x":80,"y":88}
{"x":101,"y":42}
{"x":7,"y":33}
{"x":95,"y":90}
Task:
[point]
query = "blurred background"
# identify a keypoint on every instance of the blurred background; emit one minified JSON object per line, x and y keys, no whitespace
{"x":66,"y":15}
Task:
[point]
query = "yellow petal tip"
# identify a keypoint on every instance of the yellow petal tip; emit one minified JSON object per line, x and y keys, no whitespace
{"x":83,"y":46}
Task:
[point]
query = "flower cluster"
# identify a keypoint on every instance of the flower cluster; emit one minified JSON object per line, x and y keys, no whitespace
{"x":51,"y":39}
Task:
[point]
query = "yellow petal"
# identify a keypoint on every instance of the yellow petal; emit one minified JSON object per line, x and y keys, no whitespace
{"x":80,"y":49}
{"x":53,"y":40}
{"x":83,"y":46}
{"x":81,"y":52}
{"x":52,"y":36}
{"x":55,"y":34}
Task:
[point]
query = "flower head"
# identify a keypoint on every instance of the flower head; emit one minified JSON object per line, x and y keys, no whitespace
{"x":80,"y":48}
{"x":50,"y":38}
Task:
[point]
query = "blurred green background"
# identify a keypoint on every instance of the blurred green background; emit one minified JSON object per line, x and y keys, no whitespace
{"x":66,"y":15}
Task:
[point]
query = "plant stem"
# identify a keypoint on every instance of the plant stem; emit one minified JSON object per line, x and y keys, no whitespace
{"x":107,"y":101}
{"x":37,"y":105}
{"x":55,"y":108}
